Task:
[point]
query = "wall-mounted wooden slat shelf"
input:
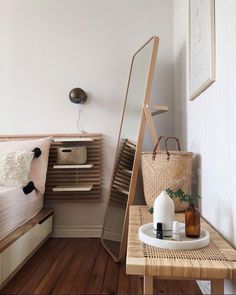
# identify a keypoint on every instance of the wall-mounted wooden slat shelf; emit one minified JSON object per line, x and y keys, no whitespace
{"x":73,"y":139}
{"x":84,"y":166}
{"x":75,"y":182}
{"x":73,"y":187}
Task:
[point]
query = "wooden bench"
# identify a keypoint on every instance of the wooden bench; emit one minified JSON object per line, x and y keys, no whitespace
{"x":214,"y":263}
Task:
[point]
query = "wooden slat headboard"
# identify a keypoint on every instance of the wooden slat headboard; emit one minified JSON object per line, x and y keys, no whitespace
{"x":58,"y":177}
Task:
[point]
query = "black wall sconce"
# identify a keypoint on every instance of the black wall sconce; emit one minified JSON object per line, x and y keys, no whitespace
{"x":78,"y":95}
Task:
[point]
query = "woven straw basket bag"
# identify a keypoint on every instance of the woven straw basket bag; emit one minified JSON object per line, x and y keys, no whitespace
{"x":166,"y":169}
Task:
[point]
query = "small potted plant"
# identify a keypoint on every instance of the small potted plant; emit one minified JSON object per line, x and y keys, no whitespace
{"x":192,"y":214}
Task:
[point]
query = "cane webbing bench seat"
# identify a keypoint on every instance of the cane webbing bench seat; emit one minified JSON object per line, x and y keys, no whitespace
{"x":215,"y":262}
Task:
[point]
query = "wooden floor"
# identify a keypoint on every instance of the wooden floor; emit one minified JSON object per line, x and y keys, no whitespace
{"x":82,"y":266}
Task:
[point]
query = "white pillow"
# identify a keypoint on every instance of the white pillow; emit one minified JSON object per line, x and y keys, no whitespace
{"x":15,"y":168}
{"x":39,"y":165}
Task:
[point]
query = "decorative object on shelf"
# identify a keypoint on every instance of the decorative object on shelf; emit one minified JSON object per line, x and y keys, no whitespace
{"x":159,"y":231}
{"x":72,"y":155}
{"x":163,"y":168}
{"x":192,"y":222}
{"x":176,"y":231}
{"x":202,"y":46}
{"x":163,"y":212}
{"x":148,"y":236}
{"x":192,"y":214}
{"x":78,"y":95}
{"x":182,"y":196}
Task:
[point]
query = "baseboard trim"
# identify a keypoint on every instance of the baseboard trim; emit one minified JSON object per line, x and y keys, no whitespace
{"x":112,"y":234}
{"x":77,"y":232}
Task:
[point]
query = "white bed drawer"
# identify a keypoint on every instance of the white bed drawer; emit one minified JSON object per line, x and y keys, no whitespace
{"x":41,"y":230}
{"x":15,"y":254}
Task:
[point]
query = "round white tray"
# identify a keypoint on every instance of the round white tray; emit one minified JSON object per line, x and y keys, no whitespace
{"x":147,"y":235}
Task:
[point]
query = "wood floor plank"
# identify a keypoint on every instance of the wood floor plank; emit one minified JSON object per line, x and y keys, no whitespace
{"x":161,"y":287}
{"x":111,"y":277}
{"x":66,"y":257}
{"x":89,"y":257}
{"x":82,"y":266}
{"x":71,"y":272}
{"x":123,"y":281}
{"x":38,"y":275}
{"x":19,"y":280}
{"x":191,"y":286}
{"x":136,"y":285}
{"x":97,"y":276}
{"x":178,"y":287}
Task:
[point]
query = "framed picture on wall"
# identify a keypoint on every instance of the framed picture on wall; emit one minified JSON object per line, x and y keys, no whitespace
{"x":202,"y":46}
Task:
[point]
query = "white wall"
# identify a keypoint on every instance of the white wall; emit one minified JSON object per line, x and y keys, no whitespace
{"x":49,"y":47}
{"x":207,"y":125}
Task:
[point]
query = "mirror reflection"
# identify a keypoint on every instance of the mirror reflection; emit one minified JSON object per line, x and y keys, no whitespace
{"x":113,"y":226}
{"x":126,"y":149}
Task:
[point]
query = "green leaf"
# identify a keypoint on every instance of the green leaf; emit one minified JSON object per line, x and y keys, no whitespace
{"x":150,"y":210}
{"x":170,"y":192}
{"x":180,"y":194}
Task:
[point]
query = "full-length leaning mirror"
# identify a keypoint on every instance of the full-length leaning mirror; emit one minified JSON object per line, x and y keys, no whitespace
{"x":128,"y":153}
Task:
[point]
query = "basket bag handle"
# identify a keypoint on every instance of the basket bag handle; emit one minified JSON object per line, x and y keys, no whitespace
{"x":166,"y":147}
{"x":156,"y":146}
{"x":178,"y":145}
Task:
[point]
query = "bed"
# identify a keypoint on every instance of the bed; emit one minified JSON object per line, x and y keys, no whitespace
{"x":24,"y":224}
{"x":17,"y":208}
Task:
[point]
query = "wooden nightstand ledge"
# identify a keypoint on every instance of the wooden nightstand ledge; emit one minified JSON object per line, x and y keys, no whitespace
{"x":215,"y":262}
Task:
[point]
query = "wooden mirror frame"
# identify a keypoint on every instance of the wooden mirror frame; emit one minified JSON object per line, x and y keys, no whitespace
{"x":137,"y":157}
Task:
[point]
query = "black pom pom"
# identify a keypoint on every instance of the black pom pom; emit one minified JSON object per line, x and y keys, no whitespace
{"x":37,"y":152}
{"x":29,"y":188}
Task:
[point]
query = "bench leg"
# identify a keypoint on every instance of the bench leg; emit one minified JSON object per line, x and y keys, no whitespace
{"x":217,"y":287}
{"x":147,"y":285}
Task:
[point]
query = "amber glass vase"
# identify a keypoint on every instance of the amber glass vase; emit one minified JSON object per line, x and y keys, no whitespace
{"x":192,"y":222}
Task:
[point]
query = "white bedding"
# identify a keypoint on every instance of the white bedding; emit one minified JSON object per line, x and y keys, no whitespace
{"x":17,"y":208}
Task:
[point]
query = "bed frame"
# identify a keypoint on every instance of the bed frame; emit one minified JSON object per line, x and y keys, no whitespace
{"x":20,"y":245}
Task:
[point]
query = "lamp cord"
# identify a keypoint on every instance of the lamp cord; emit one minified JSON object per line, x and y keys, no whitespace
{"x":78,"y":121}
